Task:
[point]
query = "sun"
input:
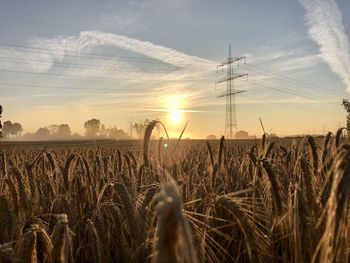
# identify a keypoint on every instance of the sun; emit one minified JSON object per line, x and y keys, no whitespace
{"x":175,"y":116}
{"x":173,"y":106}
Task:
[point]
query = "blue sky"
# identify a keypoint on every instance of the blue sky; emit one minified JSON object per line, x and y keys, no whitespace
{"x":123,"y":61}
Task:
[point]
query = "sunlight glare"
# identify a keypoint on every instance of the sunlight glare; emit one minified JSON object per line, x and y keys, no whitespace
{"x":174,"y":104}
{"x":175,"y":116}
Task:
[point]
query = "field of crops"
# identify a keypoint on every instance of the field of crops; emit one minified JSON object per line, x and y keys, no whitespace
{"x":164,"y":201}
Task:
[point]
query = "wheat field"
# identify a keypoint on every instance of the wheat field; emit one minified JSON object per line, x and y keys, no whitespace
{"x":216,"y":201}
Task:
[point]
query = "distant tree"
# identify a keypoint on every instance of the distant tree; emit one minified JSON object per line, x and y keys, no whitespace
{"x":116,"y":133}
{"x":28,"y":136}
{"x":346,"y":105}
{"x":60,"y":131}
{"x":103,"y":131}
{"x":76,"y":136}
{"x":64,"y":131}
{"x":140,"y":128}
{"x":241,"y":135}
{"x":273,"y":135}
{"x":6,"y":129}
{"x":211,"y":137}
{"x":16,"y":129}
{"x":92,"y":127}
{"x":42,"y":134}
{"x":54,"y":129}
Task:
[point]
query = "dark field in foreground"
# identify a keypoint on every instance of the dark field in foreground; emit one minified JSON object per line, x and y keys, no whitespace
{"x":274,"y":200}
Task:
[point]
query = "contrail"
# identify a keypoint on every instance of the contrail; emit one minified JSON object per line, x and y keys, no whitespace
{"x":324,"y":20}
{"x":88,"y":40}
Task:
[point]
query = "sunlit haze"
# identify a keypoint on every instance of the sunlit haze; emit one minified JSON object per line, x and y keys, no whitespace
{"x":121,"y":62}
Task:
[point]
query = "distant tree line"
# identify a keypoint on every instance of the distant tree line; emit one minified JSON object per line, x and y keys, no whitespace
{"x":94,"y":129}
{"x":53,"y":132}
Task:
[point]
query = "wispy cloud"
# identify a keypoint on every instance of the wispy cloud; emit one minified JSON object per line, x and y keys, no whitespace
{"x":12,"y":58}
{"x":88,"y":40}
{"x":324,"y":20}
{"x":110,"y":19}
{"x":185,"y":73}
{"x":123,"y":20}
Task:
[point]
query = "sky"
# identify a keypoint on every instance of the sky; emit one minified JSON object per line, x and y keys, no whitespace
{"x":124,"y":61}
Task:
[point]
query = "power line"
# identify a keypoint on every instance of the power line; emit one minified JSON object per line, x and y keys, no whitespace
{"x":90,"y":55}
{"x":292,"y":80}
{"x":77,"y":65}
{"x":289,"y":78}
{"x":99,"y":77}
{"x":22,"y":48}
{"x":288,"y":106}
{"x":64,"y":87}
{"x":286,"y":91}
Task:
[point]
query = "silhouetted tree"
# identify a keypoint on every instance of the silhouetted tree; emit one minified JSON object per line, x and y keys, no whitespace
{"x":93,"y":127}
{"x":64,"y":130}
{"x":60,"y":131}
{"x":241,"y":135}
{"x":16,"y":129}
{"x":28,"y":136}
{"x":42,"y":134}
{"x":76,"y":136}
{"x":273,"y":136}
{"x":6,"y":129}
{"x":54,"y":129}
{"x":346,"y":105}
{"x":140,"y":128}
{"x":116,"y":133}
{"x":211,"y":137}
{"x":103,"y":131}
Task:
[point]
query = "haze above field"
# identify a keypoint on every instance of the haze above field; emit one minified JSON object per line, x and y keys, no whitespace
{"x":124,"y":61}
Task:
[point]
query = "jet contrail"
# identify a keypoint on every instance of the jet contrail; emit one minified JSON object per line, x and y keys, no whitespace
{"x":324,"y":20}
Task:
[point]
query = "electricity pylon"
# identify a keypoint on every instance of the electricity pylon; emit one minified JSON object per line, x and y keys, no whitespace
{"x":231,"y":118}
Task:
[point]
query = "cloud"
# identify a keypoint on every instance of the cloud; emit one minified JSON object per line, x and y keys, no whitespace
{"x":24,"y":60}
{"x":184,"y":73}
{"x":121,"y":20}
{"x":166,"y":70}
{"x":110,"y":19}
{"x":88,"y":40}
{"x":149,"y":49}
{"x":324,"y":20}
